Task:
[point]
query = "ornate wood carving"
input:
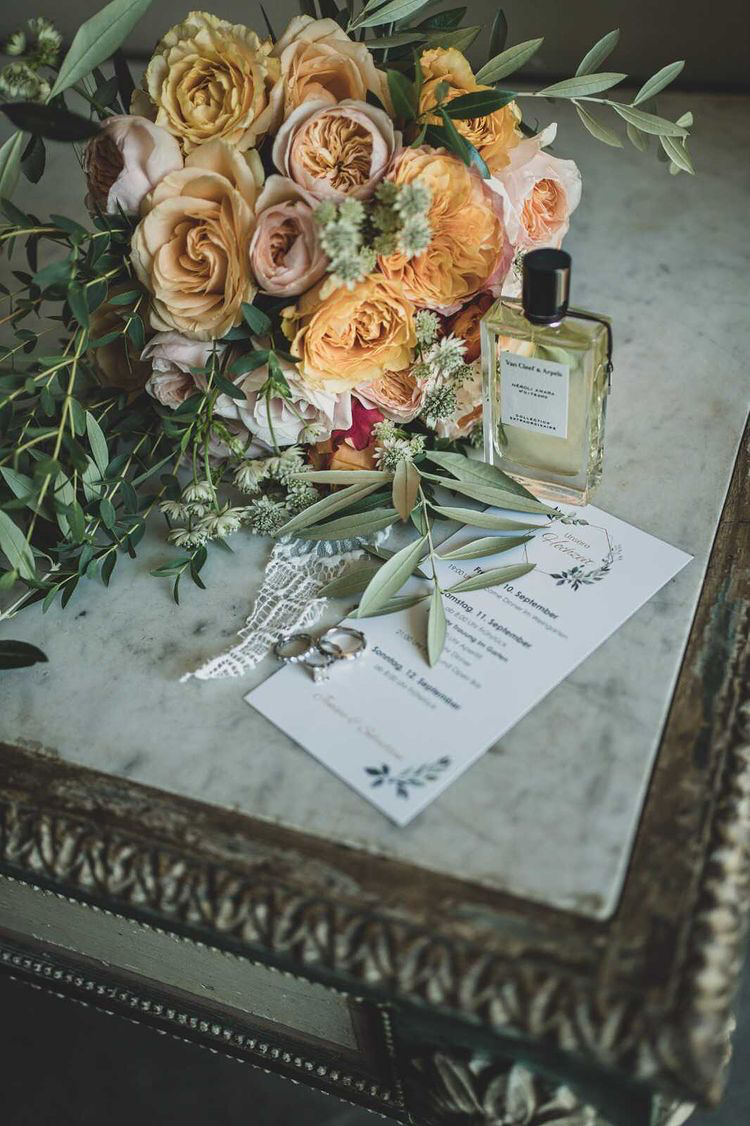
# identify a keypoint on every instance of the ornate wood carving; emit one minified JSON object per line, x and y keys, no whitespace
{"x":646,"y":994}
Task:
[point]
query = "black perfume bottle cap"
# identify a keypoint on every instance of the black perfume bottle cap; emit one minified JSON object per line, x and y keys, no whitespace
{"x":546,"y":286}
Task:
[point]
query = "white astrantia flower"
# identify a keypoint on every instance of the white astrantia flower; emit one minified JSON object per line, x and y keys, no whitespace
{"x":187,"y":537}
{"x":198,"y":492}
{"x":222,"y":523}
{"x":393,"y":451}
{"x":174,"y":510}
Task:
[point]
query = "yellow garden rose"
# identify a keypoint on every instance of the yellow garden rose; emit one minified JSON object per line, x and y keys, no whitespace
{"x":190,"y":249}
{"x":353,"y":335}
{"x":212,"y":79}
{"x":469,"y":250}
{"x":495,"y":134}
{"x":320,"y":61}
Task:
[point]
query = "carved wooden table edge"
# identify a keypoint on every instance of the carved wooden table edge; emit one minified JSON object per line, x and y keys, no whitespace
{"x":644,"y":998}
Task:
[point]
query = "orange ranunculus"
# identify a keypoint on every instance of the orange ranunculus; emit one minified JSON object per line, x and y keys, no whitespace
{"x":353,"y":335}
{"x":469,"y":250}
{"x":495,"y":134}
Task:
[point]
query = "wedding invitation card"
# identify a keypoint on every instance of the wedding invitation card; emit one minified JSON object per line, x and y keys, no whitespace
{"x":398,"y":731}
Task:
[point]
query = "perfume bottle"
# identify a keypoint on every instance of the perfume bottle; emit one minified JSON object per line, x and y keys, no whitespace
{"x":546,"y":374}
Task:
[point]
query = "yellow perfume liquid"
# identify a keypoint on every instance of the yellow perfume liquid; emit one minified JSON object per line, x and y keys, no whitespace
{"x":545,"y":388}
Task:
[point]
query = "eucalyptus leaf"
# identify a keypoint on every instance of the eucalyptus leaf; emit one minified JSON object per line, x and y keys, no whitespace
{"x":326,"y":507}
{"x":391,"y":577}
{"x":395,"y":605}
{"x":388,"y":13}
{"x":487,"y":545}
{"x":436,"y":626}
{"x":98,"y":443}
{"x":596,"y":129}
{"x":359,"y":525}
{"x":678,"y":154}
{"x":255,"y":318}
{"x":582,"y":86}
{"x":353,"y":581}
{"x":19,"y":654}
{"x":477,"y":518}
{"x":478,"y":103}
{"x":10,"y":164}
{"x":636,"y":138}
{"x":658,"y":81}
{"x":405,"y":488}
{"x":598,"y":53}
{"x":477,"y":472}
{"x":508,"y":61}
{"x":649,"y":122}
{"x":97,"y":39}
{"x":17,"y":551}
{"x":496,"y":577}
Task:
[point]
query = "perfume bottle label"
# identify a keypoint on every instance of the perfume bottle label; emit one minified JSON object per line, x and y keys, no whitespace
{"x":534,"y":394}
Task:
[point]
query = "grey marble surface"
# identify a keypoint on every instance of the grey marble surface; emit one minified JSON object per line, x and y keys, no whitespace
{"x":551,"y":811}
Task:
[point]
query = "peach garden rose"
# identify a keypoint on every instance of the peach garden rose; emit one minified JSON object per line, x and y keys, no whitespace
{"x":469,"y":250}
{"x":495,"y":135}
{"x":542,"y":191}
{"x":190,"y":249}
{"x":353,"y":335}
{"x":320,"y":62}
{"x":210,"y":79}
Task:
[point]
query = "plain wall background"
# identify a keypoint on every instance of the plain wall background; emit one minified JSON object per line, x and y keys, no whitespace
{"x":712,"y":35}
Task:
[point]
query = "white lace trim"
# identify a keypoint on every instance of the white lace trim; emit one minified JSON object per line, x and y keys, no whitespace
{"x":287,"y":600}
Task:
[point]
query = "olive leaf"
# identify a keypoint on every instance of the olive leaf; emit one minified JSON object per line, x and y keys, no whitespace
{"x":398,"y":40}
{"x":353,"y":581}
{"x":97,"y":39}
{"x":360,"y":524}
{"x":596,"y":129}
{"x":391,"y":577}
{"x":498,"y":33}
{"x":436,"y":626}
{"x":479,"y":519}
{"x":598,"y":53}
{"x":658,"y":81}
{"x":479,"y":103}
{"x":677,"y":153}
{"x":460,"y":39}
{"x":387,"y":13}
{"x":649,"y":122}
{"x":50,"y":122}
{"x":477,"y":472}
{"x":403,"y":95}
{"x":582,"y":86}
{"x":496,"y":577}
{"x":326,"y":507}
{"x":487,"y":545}
{"x":98,"y":443}
{"x":636,"y":138}
{"x":394,"y":605}
{"x":491,"y":494}
{"x":508,"y":61}
{"x":13,"y":544}
{"x":405,"y":488}
{"x":342,"y":476}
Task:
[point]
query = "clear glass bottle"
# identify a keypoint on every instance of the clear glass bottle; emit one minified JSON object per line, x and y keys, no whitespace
{"x":546,"y":374}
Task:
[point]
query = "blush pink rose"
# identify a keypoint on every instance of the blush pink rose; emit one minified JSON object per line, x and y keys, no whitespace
{"x":126,"y":159}
{"x":398,"y":394}
{"x":540,"y":191}
{"x":336,"y":152}
{"x":285,"y":254}
{"x":172,"y":356}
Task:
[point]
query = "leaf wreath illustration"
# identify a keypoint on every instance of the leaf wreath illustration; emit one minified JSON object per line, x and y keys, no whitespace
{"x":577,"y":577}
{"x":407,"y":780}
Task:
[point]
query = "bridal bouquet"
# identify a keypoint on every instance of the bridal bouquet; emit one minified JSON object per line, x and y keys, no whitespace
{"x":271,"y":319}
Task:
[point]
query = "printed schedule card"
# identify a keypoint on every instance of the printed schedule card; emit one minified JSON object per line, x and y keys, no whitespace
{"x":398,"y":731}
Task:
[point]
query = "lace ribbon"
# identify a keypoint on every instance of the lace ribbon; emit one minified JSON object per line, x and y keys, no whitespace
{"x":288,"y":600}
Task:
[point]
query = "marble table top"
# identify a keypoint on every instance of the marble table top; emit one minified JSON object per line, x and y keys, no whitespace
{"x":551,"y":811}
